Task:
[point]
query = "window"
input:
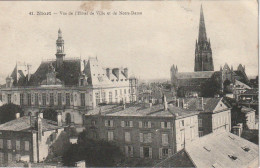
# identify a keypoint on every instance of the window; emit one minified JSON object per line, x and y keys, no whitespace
{"x":26,"y":145}
{"x":97,"y":98}
{"x":247,"y":149}
{"x":21,"y":99}
{"x":110,"y":136}
{"x":145,"y":138}
{"x":120,"y":92}
{"x":9,"y":98}
{"x":51,"y":99}
{"x":103,"y":97}
{"x":82,"y":99}
{"x":182,"y":123}
{"x":29,"y":99}
{"x":36,"y":99}
{"x":9,"y":144}
{"x":127,"y":137}
{"x":1,"y":143}
{"x":192,"y":133}
{"x":165,"y":124}
{"x":164,"y":139}
{"x":232,"y":157}
{"x":109,"y":123}
{"x":17,"y":157}
{"x":126,"y":123}
{"x":110,"y":97}
{"x":125,"y":91}
{"x":17,"y":145}
{"x":147,"y":124}
{"x":67,"y":99}
{"x":115,"y":92}
{"x":200,"y":133}
{"x":129,"y":151}
{"x":200,"y":122}
{"x":10,"y":157}
{"x":165,"y":152}
{"x":59,"y":99}
{"x":1,"y":158}
{"x":44,"y":99}
{"x":182,"y":137}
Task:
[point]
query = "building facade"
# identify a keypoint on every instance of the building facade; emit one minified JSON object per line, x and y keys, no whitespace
{"x":144,"y":132}
{"x":214,"y":115}
{"x":28,"y":139}
{"x":69,"y":85}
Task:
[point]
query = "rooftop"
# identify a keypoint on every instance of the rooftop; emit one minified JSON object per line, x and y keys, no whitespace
{"x":222,"y":149}
{"x":209,"y":104}
{"x":25,"y":124}
{"x":139,"y":110}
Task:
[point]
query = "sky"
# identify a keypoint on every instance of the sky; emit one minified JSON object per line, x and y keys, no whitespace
{"x":148,"y":44}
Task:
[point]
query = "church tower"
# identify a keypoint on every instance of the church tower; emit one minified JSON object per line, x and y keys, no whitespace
{"x":203,"y":53}
{"x":60,"y":50}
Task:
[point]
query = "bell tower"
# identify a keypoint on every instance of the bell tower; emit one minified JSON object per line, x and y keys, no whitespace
{"x":60,"y":50}
{"x":203,"y":52}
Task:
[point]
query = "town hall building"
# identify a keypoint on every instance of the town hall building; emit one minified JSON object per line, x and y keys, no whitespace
{"x":69,"y":85}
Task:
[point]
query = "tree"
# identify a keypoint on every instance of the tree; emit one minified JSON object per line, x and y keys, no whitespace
{"x":50,"y":114}
{"x":96,"y":153}
{"x":210,"y":88}
{"x":8,"y":112}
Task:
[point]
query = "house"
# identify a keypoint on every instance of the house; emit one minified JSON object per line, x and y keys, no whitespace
{"x":214,"y":114}
{"x":217,"y":150}
{"x":144,"y":130}
{"x":28,"y":138}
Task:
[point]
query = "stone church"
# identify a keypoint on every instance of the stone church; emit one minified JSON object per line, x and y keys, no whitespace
{"x":192,"y":84}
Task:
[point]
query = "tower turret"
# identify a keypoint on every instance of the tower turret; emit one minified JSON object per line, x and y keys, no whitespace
{"x":60,"y":49}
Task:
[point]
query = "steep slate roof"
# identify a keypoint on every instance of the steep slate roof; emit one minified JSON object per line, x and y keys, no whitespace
{"x":140,"y":110}
{"x":97,"y":76}
{"x":216,"y":150}
{"x":23,"y":124}
{"x":68,"y":73}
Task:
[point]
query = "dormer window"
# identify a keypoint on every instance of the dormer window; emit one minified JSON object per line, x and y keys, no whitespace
{"x":232,"y":157}
{"x":206,"y":148}
{"x":247,"y":149}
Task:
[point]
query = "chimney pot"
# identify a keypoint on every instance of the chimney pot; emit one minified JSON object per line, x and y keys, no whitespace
{"x":17,"y":115}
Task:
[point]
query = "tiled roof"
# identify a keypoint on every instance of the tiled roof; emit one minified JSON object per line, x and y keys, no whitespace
{"x":246,"y":109}
{"x":222,"y":149}
{"x":25,"y":123}
{"x":209,"y":103}
{"x":141,"y":110}
{"x":250,"y":92}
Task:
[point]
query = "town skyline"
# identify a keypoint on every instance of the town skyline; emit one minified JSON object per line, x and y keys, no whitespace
{"x":171,"y":41}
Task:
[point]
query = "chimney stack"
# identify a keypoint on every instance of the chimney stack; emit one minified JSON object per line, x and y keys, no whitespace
{"x":165,"y":103}
{"x":59,"y":120}
{"x":178,"y":102}
{"x":17,"y":115}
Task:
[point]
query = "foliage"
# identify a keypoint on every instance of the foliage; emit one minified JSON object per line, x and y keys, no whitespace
{"x":210,"y":88}
{"x":8,"y":112}
{"x":96,"y":153}
{"x":50,"y":114}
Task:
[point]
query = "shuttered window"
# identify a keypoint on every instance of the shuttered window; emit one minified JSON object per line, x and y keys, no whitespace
{"x":1,"y":143}
{"x":26,"y":145}
{"x":127,"y":137}
{"x":9,"y":144}
{"x":164,"y":139}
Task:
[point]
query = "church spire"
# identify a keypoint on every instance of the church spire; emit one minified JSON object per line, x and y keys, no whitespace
{"x":202,"y":27}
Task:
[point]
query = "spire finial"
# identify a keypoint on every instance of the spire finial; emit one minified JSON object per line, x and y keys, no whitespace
{"x":202,"y":27}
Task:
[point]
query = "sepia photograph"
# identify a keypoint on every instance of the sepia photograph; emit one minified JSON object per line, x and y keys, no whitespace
{"x":129,"y":84}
